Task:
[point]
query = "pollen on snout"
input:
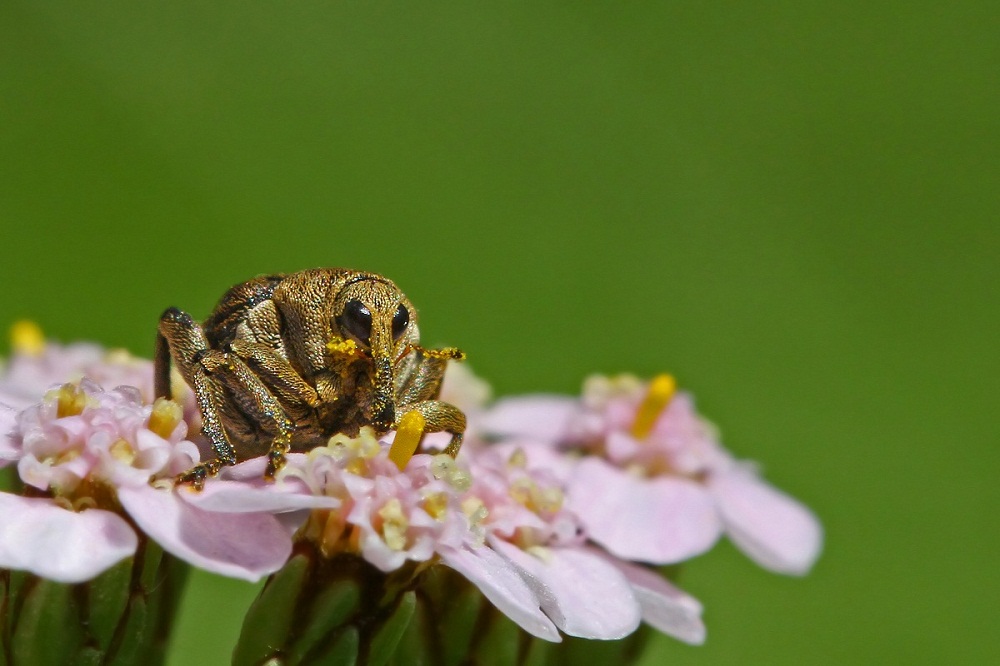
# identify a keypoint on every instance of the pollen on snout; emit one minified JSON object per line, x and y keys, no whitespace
{"x":342,"y":346}
{"x":26,"y":338}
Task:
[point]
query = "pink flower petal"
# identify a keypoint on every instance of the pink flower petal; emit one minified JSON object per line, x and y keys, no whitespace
{"x":773,"y":529}
{"x":239,"y":545}
{"x":254,"y":497}
{"x":499,"y":582}
{"x":588,"y":597}
{"x":661,"y":520}
{"x":9,"y":452}
{"x":664,"y":607}
{"x":38,"y":536}
{"x":542,"y":417}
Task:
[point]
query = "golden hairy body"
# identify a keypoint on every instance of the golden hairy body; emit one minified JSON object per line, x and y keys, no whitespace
{"x":286,"y":361}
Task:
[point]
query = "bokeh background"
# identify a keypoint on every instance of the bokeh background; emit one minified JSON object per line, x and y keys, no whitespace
{"x":791,"y":206}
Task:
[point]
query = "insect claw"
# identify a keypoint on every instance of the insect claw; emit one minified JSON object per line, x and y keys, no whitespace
{"x":275,"y":461}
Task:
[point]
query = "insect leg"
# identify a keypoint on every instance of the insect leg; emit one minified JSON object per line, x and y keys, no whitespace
{"x":278,"y":373}
{"x":253,"y":396}
{"x":441,"y":417}
{"x":180,"y":338}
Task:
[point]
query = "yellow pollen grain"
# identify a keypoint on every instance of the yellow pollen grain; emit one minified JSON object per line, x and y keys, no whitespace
{"x":518,"y":459}
{"x":522,"y":491}
{"x":445,"y":353}
{"x":460,"y":480}
{"x":442,"y":466}
{"x":71,"y":400}
{"x":394,"y":524}
{"x":660,"y":392}
{"x":357,"y":467}
{"x":26,"y":338}
{"x":549,"y":500}
{"x":474,"y":510}
{"x":165,"y":416}
{"x":436,"y":504}
{"x":122,"y":451}
{"x":408,"y":434}
{"x":342,"y":346}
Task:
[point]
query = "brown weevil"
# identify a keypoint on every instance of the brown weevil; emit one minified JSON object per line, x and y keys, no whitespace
{"x":286,"y":361}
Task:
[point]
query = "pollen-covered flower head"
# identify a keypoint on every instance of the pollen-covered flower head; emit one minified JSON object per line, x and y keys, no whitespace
{"x":385,"y":514}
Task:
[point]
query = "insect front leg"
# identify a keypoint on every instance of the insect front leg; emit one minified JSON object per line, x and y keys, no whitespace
{"x":277,"y":372}
{"x":418,"y":386}
{"x":441,"y":416}
{"x":181,"y":338}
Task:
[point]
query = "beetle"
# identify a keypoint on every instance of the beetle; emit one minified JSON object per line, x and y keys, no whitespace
{"x":286,"y":361}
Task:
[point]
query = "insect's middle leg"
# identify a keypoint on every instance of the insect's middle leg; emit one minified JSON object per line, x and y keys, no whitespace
{"x":254,"y":398}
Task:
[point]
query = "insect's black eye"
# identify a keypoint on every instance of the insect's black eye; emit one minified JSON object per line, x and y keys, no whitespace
{"x":357,"y":320}
{"x":400,"y":320}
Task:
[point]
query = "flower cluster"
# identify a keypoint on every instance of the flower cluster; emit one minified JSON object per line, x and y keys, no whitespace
{"x":668,"y":489}
{"x":557,"y":510}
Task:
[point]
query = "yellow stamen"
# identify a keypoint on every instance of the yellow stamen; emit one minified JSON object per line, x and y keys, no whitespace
{"x":394,"y":524}
{"x":26,"y":338}
{"x":165,"y":416}
{"x":436,"y":505}
{"x":474,"y":509}
{"x":122,"y":451}
{"x":661,"y":390}
{"x":71,"y":400}
{"x":518,"y":459}
{"x":408,"y":434}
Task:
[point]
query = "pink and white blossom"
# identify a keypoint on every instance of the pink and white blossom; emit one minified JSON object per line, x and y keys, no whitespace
{"x":92,"y":454}
{"x":663,"y":492}
{"x":38,"y":366}
{"x":498,"y":524}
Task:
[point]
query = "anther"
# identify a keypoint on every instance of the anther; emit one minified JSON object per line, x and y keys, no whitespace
{"x":26,"y":338}
{"x":408,"y":434}
{"x":661,"y":391}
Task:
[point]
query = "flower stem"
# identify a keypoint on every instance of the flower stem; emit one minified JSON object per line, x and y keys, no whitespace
{"x":123,"y":616}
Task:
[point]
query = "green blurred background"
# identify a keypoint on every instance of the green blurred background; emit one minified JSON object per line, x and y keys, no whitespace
{"x":791,"y":206}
